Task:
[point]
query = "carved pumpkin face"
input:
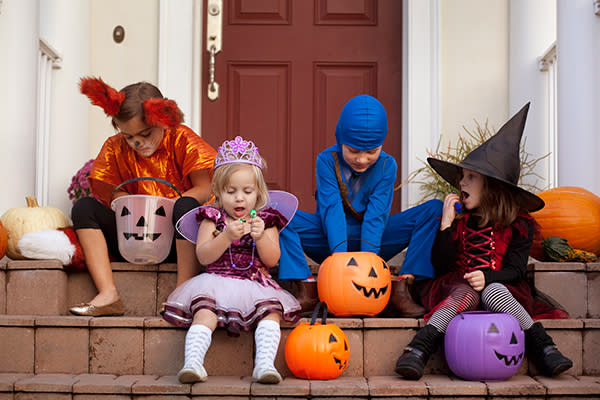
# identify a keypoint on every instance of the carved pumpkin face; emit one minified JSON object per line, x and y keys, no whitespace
{"x":143,"y":234}
{"x":145,"y":227}
{"x":481,"y":345}
{"x":317,"y":351}
{"x":354,"y":283}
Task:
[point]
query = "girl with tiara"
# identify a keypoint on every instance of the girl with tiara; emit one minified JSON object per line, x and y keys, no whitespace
{"x":238,"y":240}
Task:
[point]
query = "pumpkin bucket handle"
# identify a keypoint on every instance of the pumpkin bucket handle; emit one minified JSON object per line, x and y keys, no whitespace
{"x":315,"y":314}
{"x":148,"y":178}
{"x":347,"y":240}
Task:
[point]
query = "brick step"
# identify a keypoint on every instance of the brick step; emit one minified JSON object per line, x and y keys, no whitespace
{"x":99,"y":386}
{"x":43,"y":287}
{"x":151,"y":346}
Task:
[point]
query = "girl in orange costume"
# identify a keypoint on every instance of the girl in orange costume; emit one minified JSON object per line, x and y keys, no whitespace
{"x":150,"y":142}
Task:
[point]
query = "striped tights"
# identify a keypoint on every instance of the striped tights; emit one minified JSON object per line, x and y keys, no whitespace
{"x":494,"y":297}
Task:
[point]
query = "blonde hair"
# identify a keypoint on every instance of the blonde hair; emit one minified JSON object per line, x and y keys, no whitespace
{"x":223,"y":173}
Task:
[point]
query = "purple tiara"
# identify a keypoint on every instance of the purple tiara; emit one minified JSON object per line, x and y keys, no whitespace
{"x":238,"y":150}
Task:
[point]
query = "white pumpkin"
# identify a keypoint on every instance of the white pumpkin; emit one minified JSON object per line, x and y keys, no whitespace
{"x":20,"y":220}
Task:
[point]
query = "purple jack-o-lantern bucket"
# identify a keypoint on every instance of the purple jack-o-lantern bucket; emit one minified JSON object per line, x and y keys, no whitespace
{"x":144,"y":225}
{"x":484,"y":346}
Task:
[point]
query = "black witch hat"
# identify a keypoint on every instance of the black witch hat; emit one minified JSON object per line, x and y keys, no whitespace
{"x":497,"y":158}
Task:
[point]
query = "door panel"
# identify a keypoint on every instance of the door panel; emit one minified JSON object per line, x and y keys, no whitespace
{"x":256,"y":12}
{"x":250,"y":118}
{"x":334,"y":85}
{"x":287,"y":68}
{"x":344,"y":12}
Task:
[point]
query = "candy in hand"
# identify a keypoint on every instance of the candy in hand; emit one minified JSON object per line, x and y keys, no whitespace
{"x":457,"y":207}
{"x":252,"y":215}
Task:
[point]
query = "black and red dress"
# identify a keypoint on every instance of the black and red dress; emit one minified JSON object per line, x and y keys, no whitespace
{"x":501,"y":254}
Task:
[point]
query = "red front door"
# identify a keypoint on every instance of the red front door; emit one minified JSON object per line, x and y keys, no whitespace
{"x":285,"y":71}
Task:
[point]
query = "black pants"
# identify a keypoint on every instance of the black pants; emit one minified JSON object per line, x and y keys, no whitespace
{"x":88,"y":212}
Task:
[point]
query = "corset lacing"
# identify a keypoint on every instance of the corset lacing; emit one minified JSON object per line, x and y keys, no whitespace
{"x":479,"y":249}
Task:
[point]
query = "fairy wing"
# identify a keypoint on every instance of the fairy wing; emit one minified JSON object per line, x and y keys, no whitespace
{"x":284,"y":202}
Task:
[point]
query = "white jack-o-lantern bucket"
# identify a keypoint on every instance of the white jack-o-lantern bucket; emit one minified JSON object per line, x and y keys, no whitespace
{"x":144,"y":225}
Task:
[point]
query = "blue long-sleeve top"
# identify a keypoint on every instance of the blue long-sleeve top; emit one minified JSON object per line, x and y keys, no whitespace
{"x":372,"y":195}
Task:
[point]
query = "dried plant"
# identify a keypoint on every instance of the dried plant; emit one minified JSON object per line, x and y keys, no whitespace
{"x":432,"y":185}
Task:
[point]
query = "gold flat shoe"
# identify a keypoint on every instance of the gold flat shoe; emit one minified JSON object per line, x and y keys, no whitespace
{"x":90,"y":310}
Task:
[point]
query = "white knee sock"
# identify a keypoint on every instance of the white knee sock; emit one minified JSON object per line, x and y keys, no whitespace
{"x":267,"y":336}
{"x":197,"y":342}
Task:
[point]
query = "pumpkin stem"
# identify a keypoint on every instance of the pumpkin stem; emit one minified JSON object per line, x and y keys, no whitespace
{"x":31,"y":201}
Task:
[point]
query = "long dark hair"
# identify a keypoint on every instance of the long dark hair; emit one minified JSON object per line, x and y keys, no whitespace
{"x":499,"y":204}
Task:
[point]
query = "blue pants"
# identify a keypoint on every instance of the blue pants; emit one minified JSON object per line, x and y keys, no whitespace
{"x":414,"y":228}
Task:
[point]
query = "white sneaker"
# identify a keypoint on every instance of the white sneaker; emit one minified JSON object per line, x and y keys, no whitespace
{"x":191,"y":375}
{"x":266,"y":375}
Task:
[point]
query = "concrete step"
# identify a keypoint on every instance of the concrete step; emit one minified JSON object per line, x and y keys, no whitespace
{"x":43,"y":287}
{"x":151,"y":346}
{"x":102,"y":386}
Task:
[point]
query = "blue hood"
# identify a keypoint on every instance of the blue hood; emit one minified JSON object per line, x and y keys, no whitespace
{"x":362,"y":123}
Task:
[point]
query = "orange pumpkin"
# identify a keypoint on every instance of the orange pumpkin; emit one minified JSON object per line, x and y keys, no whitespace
{"x":317,"y":350}
{"x":354,"y":283}
{"x":572,"y":213}
{"x":3,"y":240}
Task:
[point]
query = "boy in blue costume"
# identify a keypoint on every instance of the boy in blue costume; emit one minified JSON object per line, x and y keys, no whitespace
{"x":355,"y":187}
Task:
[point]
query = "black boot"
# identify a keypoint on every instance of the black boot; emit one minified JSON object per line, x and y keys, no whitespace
{"x":412,"y":362}
{"x":543,"y":351}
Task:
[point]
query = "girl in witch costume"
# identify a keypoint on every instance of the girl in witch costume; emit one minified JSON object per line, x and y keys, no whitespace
{"x":481,"y":254}
{"x":355,"y":187}
{"x":238,"y":241}
{"x":151,"y":142}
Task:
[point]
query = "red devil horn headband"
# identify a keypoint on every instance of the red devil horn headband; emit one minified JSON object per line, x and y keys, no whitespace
{"x":102,"y":95}
{"x":162,"y":112}
{"x":157,"y":111}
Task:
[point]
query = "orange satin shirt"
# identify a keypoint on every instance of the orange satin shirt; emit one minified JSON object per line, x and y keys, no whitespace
{"x":181,"y":152}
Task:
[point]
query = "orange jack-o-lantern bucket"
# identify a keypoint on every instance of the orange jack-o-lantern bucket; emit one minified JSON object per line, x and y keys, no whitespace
{"x":144,"y":225}
{"x":317,"y":350}
{"x":354,"y":283}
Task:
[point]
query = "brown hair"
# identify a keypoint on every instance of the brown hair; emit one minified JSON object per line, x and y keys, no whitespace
{"x":499,"y":204}
{"x":133,"y":104}
{"x":223,"y":173}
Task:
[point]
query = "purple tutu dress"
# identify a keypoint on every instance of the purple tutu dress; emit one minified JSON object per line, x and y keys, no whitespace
{"x":237,"y":287}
